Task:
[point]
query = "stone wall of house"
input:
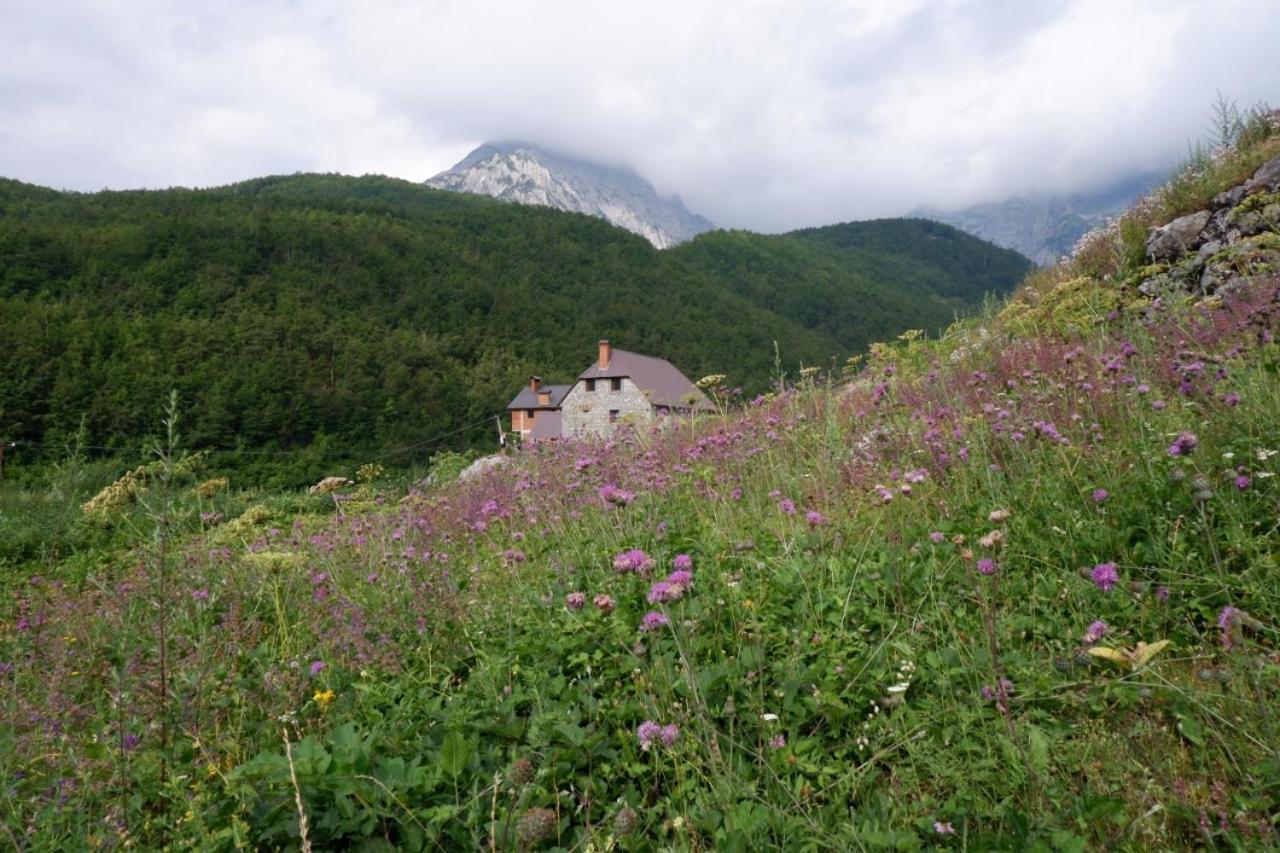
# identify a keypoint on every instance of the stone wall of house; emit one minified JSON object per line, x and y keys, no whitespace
{"x":586,"y":412}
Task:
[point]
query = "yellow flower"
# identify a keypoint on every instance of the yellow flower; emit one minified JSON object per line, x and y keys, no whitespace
{"x":323,"y":699}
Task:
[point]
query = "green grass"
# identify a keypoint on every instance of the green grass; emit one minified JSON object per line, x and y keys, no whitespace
{"x":408,"y":669}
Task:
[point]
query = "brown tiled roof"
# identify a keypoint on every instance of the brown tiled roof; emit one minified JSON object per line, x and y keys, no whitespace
{"x":658,"y":378}
{"x":528,"y":398}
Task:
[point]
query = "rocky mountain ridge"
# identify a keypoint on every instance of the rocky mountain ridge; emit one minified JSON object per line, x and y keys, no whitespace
{"x":1045,"y":228}
{"x":528,"y":174}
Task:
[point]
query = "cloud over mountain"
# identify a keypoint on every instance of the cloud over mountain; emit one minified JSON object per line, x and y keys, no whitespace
{"x":768,"y":116}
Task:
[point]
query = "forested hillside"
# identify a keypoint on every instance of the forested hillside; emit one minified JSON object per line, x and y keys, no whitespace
{"x":352,"y":314}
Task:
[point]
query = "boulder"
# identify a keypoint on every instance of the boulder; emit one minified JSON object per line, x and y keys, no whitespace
{"x":1169,"y":242}
{"x":481,"y":465}
{"x":1209,"y":248}
{"x":328,"y":485}
{"x":1229,"y":198}
{"x":1266,"y":178}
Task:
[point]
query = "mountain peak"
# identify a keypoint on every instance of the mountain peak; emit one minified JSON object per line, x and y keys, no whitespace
{"x":527,"y":173}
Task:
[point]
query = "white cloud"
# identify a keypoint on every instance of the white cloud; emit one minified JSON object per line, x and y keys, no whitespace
{"x":760,"y":114}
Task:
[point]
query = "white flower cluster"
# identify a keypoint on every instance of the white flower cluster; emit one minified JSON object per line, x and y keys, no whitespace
{"x":897,"y":691}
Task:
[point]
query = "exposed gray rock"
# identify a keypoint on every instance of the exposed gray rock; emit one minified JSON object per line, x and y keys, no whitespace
{"x":1266,"y":178}
{"x":1229,"y":198}
{"x":1257,"y":220}
{"x":1171,"y":241}
{"x":1206,"y":253}
{"x":481,"y":465}
{"x":528,"y":174}
{"x":1209,"y":248}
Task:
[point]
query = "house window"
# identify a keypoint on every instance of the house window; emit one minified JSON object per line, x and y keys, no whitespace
{"x":529,"y":415}
{"x":615,"y":384}
{"x":591,"y":386}
{"x":613,"y":416}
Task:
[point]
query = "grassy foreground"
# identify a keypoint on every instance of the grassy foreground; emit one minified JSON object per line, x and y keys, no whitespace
{"x":1015,"y":588}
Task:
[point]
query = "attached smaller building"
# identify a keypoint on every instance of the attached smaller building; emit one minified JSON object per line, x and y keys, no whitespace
{"x":618,"y":385}
{"x":535,"y":411}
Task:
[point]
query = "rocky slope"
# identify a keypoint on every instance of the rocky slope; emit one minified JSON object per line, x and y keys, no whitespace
{"x":528,"y":174}
{"x":1218,"y":249}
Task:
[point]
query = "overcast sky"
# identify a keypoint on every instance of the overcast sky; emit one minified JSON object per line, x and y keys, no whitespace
{"x":766,"y":115}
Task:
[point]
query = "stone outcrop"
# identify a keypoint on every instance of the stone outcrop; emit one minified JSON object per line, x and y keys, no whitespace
{"x":1236,"y":239}
{"x":481,"y":465}
{"x":1171,"y":241}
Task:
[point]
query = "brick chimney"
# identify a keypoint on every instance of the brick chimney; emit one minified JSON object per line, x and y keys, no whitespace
{"x":534,"y":382}
{"x":544,"y":398}
{"x":606,"y":355}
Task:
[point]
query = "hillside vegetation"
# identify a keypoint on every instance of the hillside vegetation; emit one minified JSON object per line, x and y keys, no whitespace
{"x":357,"y":315}
{"x":1012,"y":587}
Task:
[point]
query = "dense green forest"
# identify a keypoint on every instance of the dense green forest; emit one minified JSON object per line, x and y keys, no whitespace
{"x":321,"y":314}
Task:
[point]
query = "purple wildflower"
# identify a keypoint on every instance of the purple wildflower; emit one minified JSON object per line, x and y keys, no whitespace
{"x":943,"y":828}
{"x":618,"y":497}
{"x":778,"y":741}
{"x":200,"y":594}
{"x":1105,"y":576}
{"x":647,"y":732}
{"x":575,"y":600}
{"x":130,"y":741}
{"x":1096,"y":632}
{"x":787,"y":506}
{"x":664,"y":591}
{"x":999,"y":693}
{"x":1243,"y":482}
{"x":682,"y":562}
{"x":683,"y":577}
{"x":670,"y":734}
{"x":1231,"y":398}
{"x":815,"y":518}
{"x":317,"y":667}
{"x":1184,"y":444}
{"x":1228,"y":618}
{"x":634,"y":560}
{"x":987,"y":566}
{"x":937,"y":537}
{"x":1162,"y":593}
{"x":1100,"y":495}
{"x":603,"y":603}
{"x":653,"y":620}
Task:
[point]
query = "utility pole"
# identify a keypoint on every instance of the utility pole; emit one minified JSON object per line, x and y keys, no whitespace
{"x":497,"y":419}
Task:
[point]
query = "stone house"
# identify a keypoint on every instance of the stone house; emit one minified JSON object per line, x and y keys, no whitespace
{"x":618,"y":385}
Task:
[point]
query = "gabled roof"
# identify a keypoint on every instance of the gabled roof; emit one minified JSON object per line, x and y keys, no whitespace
{"x":658,"y":378}
{"x":528,"y":398}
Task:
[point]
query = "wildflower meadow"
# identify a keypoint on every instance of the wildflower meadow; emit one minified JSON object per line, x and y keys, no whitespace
{"x":1013,"y":587}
